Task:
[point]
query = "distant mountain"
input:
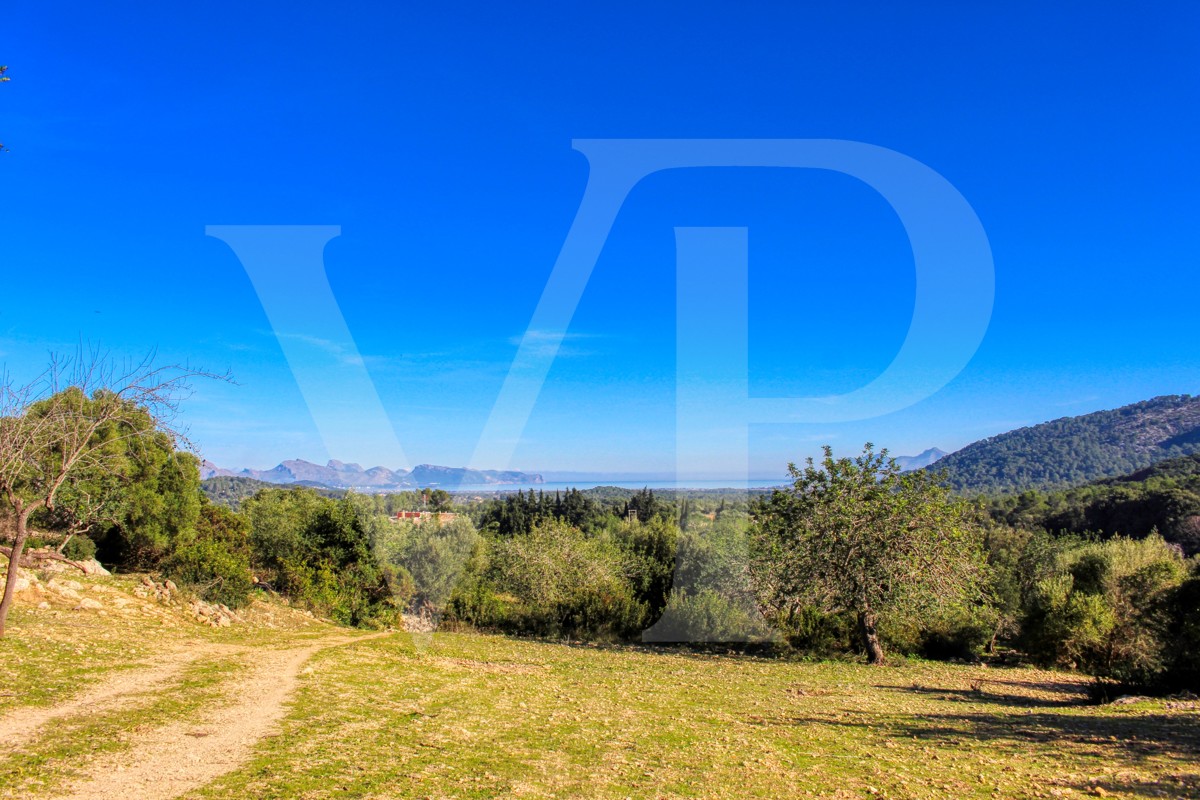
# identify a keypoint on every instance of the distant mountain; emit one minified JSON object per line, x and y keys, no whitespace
{"x":1075,"y":450}
{"x":339,"y":475}
{"x":909,"y":463}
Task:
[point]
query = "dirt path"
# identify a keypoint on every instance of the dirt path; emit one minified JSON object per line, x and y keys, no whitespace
{"x":168,"y":761}
{"x":110,"y":694}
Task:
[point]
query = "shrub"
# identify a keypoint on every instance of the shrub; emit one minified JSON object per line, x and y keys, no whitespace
{"x":1182,"y":672}
{"x":565,"y":583}
{"x":320,"y":552}
{"x":709,"y":616}
{"x":1106,"y":609}
{"x":214,"y":561}
{"x":80,"y":548}
{"x":427,"y":560}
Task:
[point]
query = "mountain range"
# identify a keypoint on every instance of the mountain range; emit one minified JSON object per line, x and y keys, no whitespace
{"x":340,"y":475}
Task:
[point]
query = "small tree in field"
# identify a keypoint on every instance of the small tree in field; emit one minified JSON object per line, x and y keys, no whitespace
{"x":857,"y":535}
{"x":68,"y":439}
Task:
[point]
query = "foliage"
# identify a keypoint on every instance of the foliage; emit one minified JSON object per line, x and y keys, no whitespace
{"x":1074,"y":450}
{"x":707,"y":615}
{"x":1106,"y":608}
{"x":1163,"y":498}
{"x":231,"y":490}
{"x":427,"y":559}
{"x":320,"y":552}
{"x":79,"y":548}
{"x":71,"y":438}
{"x":857,"y":535}
{"x":214,"y":559}
{"x":557,"y":580}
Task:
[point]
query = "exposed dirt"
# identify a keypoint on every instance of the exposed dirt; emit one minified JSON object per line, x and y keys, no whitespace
{"x":118,"y":691}
{"x":170,"y":760}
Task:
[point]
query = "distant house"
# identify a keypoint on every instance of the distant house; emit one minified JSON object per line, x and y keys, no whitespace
{"x":418,"y":517}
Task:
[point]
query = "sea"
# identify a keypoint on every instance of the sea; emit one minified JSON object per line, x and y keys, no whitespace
{"x":550,"y":487}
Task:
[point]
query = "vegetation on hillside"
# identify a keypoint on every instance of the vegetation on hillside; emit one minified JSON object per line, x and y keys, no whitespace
{"x":1074,"y":450}
{"x":854,"y":557}
{"x":1163,"y":499}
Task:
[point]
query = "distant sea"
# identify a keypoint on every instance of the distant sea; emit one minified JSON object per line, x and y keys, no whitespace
{"x":552,"y":486}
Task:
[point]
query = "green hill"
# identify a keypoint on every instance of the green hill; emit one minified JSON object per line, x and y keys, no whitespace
{"x":231,"y":490}
{"x":1164,"y":497}
{"x":1075,"y":450}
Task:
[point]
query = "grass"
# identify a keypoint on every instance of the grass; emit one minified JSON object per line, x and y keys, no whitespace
{"x":477,"y":716}
{"x":482,"y":716}
{"x":65,"y":749}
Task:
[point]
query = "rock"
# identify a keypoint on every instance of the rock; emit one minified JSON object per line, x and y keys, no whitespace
{"x":94,"y":567}
{"x":43,"y":605}
{"x":66,"y":592}
{"x":74,"y":586}
{"x":22,"y":583}
{"x":170,"y":586}
{"x":88,"y":603}
{"x":223,"y":622}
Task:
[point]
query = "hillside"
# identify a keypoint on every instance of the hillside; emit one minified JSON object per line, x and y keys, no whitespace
{"x":1164,"y":498}
{"x":112,"y":694}
{"x":230,"y":491}
{"x":1075,"y":450}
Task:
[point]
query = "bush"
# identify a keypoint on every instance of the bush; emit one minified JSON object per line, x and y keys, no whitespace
{"x":1182,"y":671}
{"x":426,"y":560}
{"x":1106,"y":609}
{"x":962,"y":634}
{"x":214,"y":561}
{"x":709,"y":616}
{"x":563,"y":582}
{"x":321,"y":553}
{"x":80,"y":548}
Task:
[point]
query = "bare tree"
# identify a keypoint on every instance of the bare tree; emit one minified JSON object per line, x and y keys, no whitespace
{"x":66,"y":432}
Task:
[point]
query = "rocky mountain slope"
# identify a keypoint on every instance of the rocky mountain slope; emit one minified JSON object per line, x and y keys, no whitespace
{"x":341,"y":475}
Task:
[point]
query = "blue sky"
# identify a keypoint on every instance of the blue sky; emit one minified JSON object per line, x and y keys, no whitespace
{"x":439,"y":139}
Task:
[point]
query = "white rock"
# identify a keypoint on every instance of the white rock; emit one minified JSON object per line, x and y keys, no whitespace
{"x":89,"y":603}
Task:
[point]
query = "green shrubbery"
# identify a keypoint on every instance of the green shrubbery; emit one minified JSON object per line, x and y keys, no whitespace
{"x":320,"y":552}
{"x":214,"y":559}
{"x":1109,"y":608}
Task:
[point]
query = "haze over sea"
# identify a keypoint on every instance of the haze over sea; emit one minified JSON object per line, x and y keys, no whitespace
{"x":559,"y":486}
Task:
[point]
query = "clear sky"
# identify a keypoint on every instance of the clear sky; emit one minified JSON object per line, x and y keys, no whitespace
{"x":439,"y":138}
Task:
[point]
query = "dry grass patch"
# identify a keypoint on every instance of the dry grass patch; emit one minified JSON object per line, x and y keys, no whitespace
{"x":380,"y":720}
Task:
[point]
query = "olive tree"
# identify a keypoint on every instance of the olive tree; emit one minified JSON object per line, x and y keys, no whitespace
{"x":68,"y":438}
{"x":857,"y":535}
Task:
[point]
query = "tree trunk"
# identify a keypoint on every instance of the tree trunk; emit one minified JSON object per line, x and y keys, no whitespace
{"x":14,"y":568}
{"x":870,"y":637}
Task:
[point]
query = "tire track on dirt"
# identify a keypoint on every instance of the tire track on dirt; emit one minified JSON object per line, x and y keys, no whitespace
{"x":110,"y":694}
{"x":175,"y":758}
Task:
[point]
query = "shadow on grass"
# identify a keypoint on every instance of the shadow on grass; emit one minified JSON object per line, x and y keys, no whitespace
{"x":1133,"y":737}
{"x":1068,"y":694}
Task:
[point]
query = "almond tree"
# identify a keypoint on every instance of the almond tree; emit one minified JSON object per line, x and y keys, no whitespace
{"x":67,"y":437}
{"x":857,"y":535}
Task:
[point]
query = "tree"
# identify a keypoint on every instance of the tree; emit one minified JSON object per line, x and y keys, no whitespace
{"x":68,"y":437}
{"x":858,"y":536}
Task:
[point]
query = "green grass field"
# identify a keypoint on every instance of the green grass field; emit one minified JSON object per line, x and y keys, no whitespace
{"x":478,"y":716}
{"x":484,"y":716}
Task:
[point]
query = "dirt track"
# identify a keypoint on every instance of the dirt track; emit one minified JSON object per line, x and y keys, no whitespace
{"x":178,"y":756}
